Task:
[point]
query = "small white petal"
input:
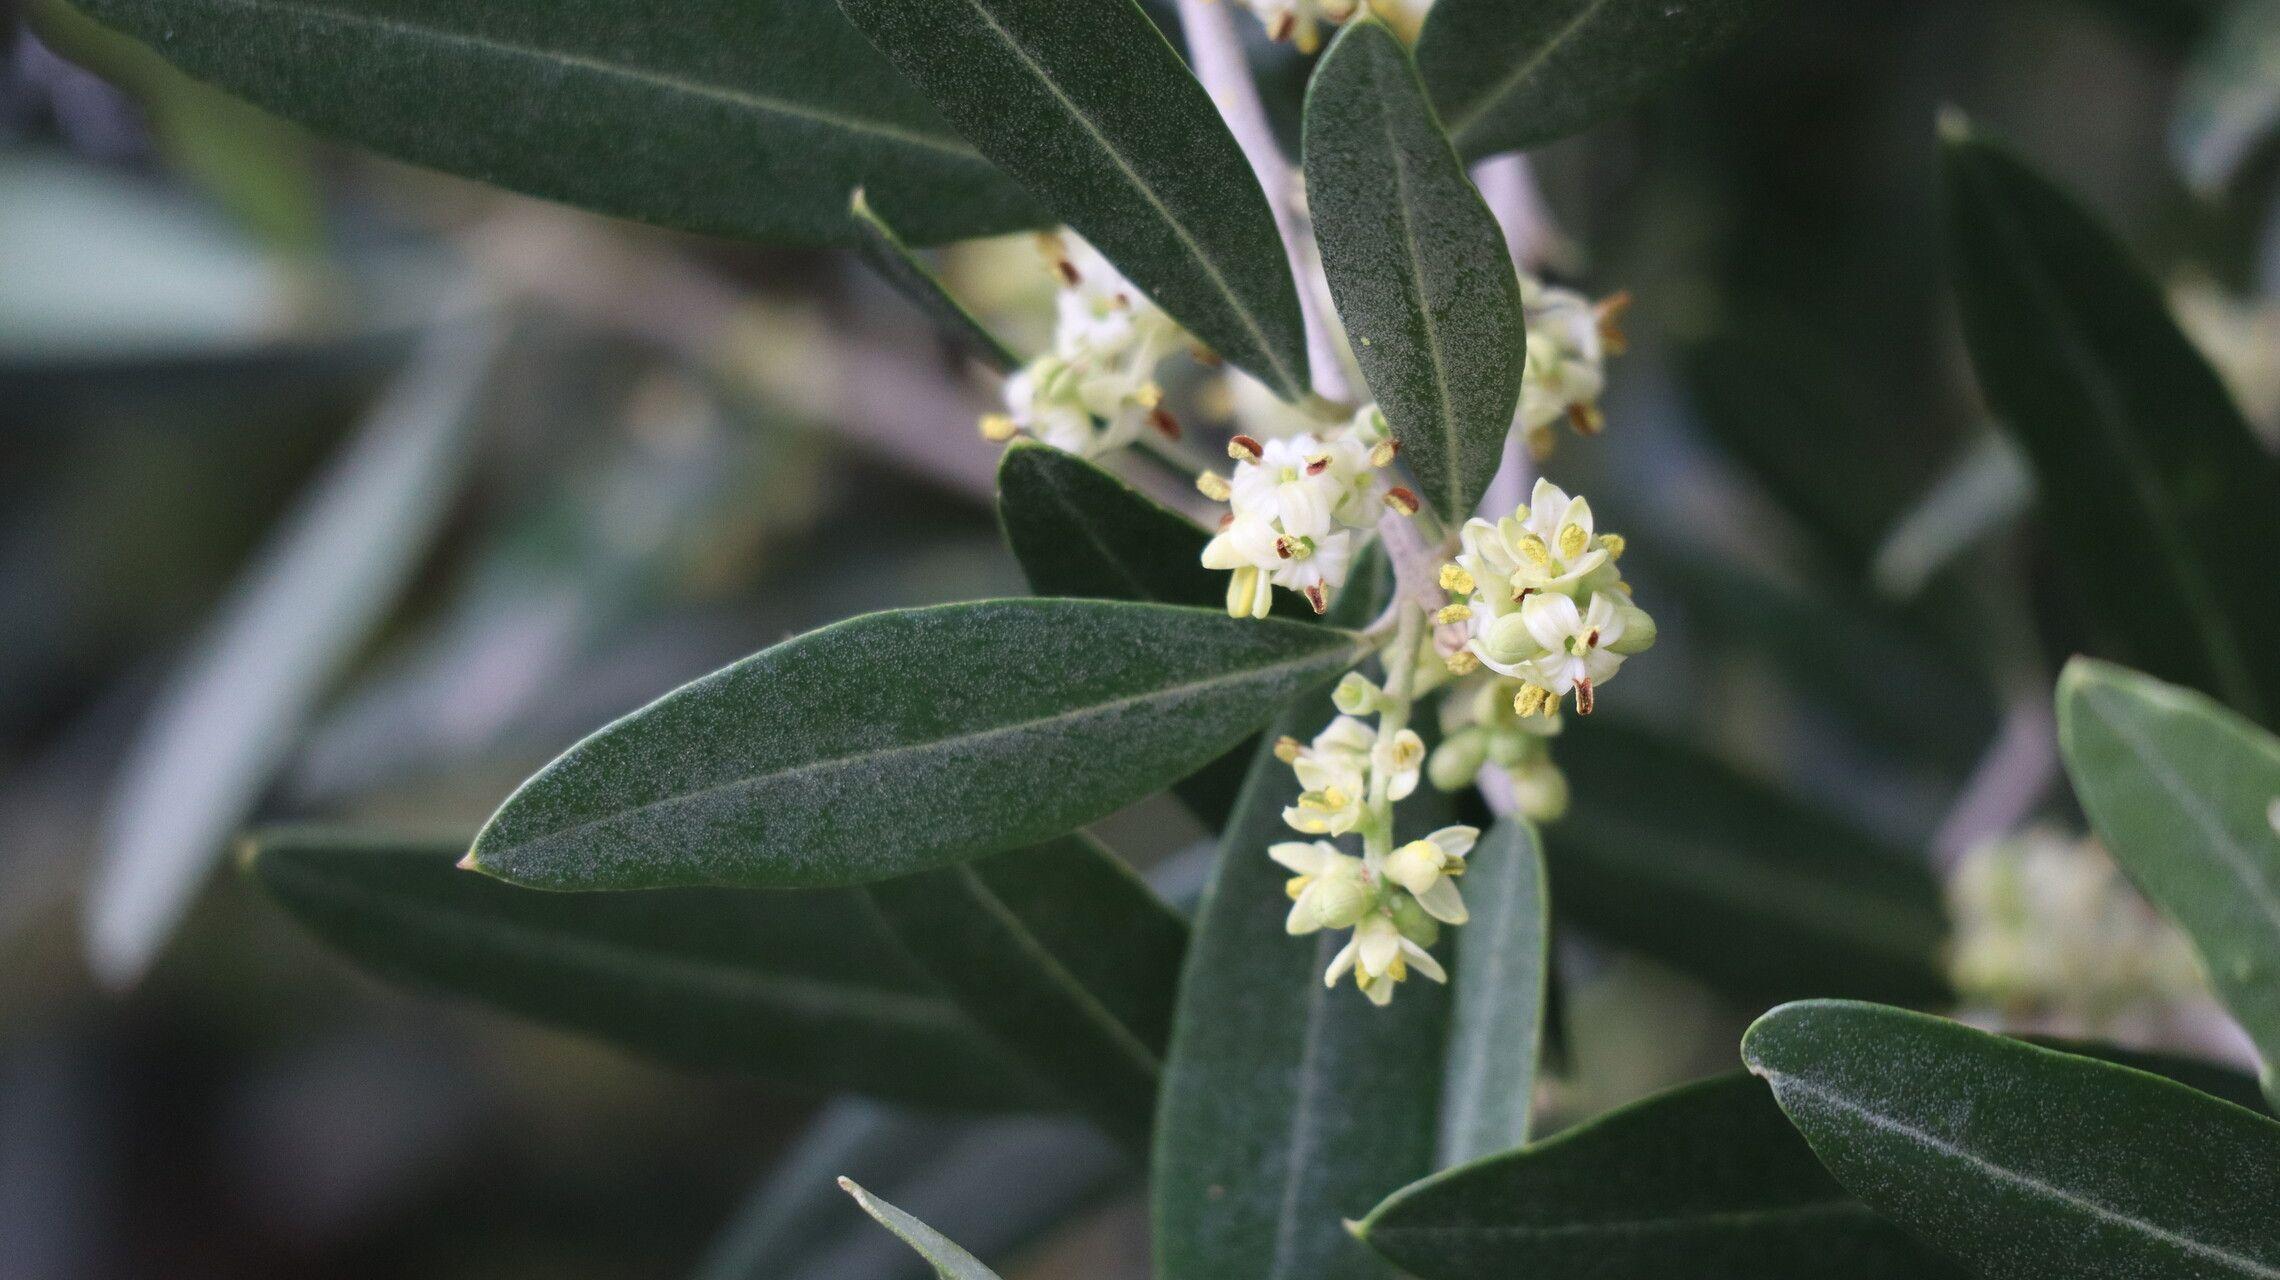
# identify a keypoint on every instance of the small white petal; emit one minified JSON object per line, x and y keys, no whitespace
{"x":1444,"y":902}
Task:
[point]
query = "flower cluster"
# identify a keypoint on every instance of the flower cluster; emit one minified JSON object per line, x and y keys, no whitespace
{"x":1480,"y":726}
{"x":1569,"y":340}
{"x":1395,"y":899}
{"x":1096,"y":389}
{"x":1294,"y":508}
{"x":1542,"y":601}
{"x":2047,"y":927}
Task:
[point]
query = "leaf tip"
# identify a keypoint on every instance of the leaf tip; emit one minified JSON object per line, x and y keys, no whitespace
{"x":468,"y":863}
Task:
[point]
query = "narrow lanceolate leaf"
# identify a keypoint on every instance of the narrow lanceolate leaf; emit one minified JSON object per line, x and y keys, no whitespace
{"x":805,"y":988}
{"x":2181,"y":791}
{"x":948,"y":1260}
{"x":883,"y":249}
{"x":2025,"y":1163}
{"x":1064,"y":955}
{"x":740,"y":117}
{"x":1758,"y":894}
{"x":1496,"y":1026}
{"x":1287,"y":1106}
{"x":1508,"y":74}
{"x":904,"y":740}
{"x":1706,"y":1181}
{"x":1084,"y":102}
{"x":308,"y":603}
{"x":2158,"y":497}
{"x":1417,"y":264}
{"x":1079,"y":531}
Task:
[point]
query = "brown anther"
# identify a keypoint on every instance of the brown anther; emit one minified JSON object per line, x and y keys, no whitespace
{"x":1610,"y":312}
{"x":1165,"y":424}
{"x":1402,"y":500}
{"x":1283,"y":25}
{"x":1583,"y":697}
{"x":1521,"y":596}
{"x":1205,"y":356}
{"x":1316,"y":466}
{"x":1067,"y":270}
{"x":1591,"y":639}
{"x":1586,"y":419}
{"x":1284,"y":545}
{"x":1317,"y":597}
{"x":1245,"y":449}
{"x":1226,"y":518}
{"x":1122,"y":301}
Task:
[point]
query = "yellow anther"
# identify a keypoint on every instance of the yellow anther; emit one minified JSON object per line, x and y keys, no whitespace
{"x":997,"y":428}
{"x":1399,"y":969}
{"x":1288,"y":749}
{"x":1572,"y":541}
{"x":1296,"y":885}
{"x":1214,"y":486}
{"x":1335,"y":798}
{"x":1453,"y":613}
{"x":1612,"y":544}
{"x":1382,"y":453}
{"x":1454,"y":578}
{"x":1533,"y":550}
{"x":1462,"y":663}
{"x":1149,"y":396}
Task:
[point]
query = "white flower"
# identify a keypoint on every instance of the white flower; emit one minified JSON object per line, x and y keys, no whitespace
{"x":1428,"y":868}
{"x":1293,"y":506}
{"x":1330,"y":891}
{"x":1096,"y":390}
{"x":1548,"y":545}
{"x":1381,"y":957}
{"x":1401,"y":759}
{"x":1578,"y":658}
{"x":1334,"y":772}
{"x":1569,"y":340}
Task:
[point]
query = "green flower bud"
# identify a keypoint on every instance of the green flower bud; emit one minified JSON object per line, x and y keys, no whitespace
{"x":1455,"y":762}
{"x":1541,"y":791}
{"x":1638,"y":631}
{"x":1339,"y":902}
{"x":1355,"y":695}
{"x":1414,"y":924}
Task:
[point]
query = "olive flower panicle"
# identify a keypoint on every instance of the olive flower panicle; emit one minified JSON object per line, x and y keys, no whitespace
{"x":1296,"y":508}
{"x":1543,"y":602}
{"x":1569,"y":340}
{"x":1096,"y":390}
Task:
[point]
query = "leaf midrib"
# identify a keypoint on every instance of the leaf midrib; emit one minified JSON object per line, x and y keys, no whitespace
{"x":1303,"y":1109}
{"x":1836,"y":1206}
{"x":946,"y":145}
{"x":2195,"y":806}
{"x":1126,"y":1043}
{"x":1519,"y":75}
{"x":2219,"y":645}
{"x":1147,"y":193}
{"x":815,"y":997}
{"x":1451,"y":443}
{"x":2031,"y":1185}
{"x":836,"y":764}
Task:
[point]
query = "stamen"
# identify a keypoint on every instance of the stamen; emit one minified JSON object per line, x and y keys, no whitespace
{"x":1165,"y":424}
{"x":1583,"y":696}
{"x":1572,"y":541}
{"x":1245,"y":449}
{"x":1289,"y":749}
{"x":1403,"y":501}
{"x":1454,"y":578}
{"x":1532,"y":548}
{"x":997,"y":428}
{"x":1382,"y":453}
{"x":1612,"y":544}
{"x":1453,"y":613}
{"x":1214,"y":486}
{"x":1586,"y":419}
{"x":1317,"y":597}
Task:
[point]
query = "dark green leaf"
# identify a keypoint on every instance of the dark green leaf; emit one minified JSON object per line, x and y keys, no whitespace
{"x":883,"y":249}
{"x":1084,"y":102}
{"x":903,"y":740}
{"x":2182,"y":791}
{"x":1065,"y":956}
{"x":1417,"y":264}
{"x":806,"y":988}
{"x":1508,"y":74}
{"x":740,"y":117}
{"x":1287,"y":1106}
{"x":2024,"y":1163}
{"x":1706,"y":1181}
{"x":2158,"y":498}
{"x":1079,"y":531}
{"x":1676,"y":855}
{"x":948,"y":1260}
{"x":1496,"y":1024}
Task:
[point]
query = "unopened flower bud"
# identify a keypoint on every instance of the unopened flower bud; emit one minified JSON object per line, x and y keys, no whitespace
{"x":1458,"y":759}
{"x":1337,"y":902}
{"x":1414,"y":923}
{"x":1638,"y":631}
{"x":1540,"y":791}
{"x":1356,"y":695}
